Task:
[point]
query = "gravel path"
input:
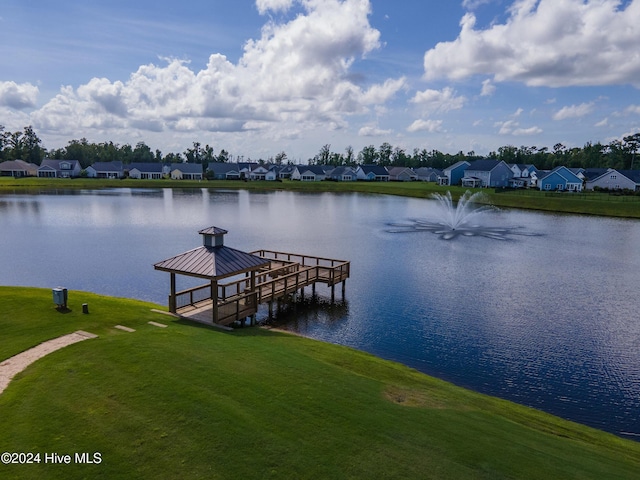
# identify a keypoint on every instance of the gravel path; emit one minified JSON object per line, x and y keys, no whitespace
{"x":12,"y":366}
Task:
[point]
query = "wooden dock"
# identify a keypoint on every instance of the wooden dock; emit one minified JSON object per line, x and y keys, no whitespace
{"x":285,"y":274}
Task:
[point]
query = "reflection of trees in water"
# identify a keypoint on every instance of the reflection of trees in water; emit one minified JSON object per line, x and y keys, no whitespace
{"x":297,"y":315}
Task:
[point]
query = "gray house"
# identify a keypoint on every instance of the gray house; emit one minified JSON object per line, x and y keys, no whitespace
{"x":426,"y":174}
{"x":224,"y":171}
{"x":105,"y":170}
{"x":612,"y":179}
{"x":343,"y":174}
{"x":18,"y":168}
{"x":487,"y":173}
{"x":59,"y":168}
{"x":402,"y":174}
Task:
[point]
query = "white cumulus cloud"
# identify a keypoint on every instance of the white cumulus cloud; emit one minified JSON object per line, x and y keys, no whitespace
{"x":18,"y":96}
{"x":273,"y":5}
{"x":439,"y":100}
{"x":551,"y":43}
{"x":372,"y":131}
{"x":295,"y":75}
{"x":573,"y":111}
{"x":430,"y":126}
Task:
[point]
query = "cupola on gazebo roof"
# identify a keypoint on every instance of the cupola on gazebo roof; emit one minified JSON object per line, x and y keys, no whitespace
{"x":213,"y":260}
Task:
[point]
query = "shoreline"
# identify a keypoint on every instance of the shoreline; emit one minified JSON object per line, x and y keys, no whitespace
{"x":590,"y":203}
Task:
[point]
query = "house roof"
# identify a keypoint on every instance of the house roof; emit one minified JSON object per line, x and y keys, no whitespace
{"x":399,"y":170}
{"x":483,"y":165}
{"x":428,"y":171}
{"x":341,"y":171}
{"x":377,"y":170}
{"x":153,"y":167}
{"x":115,"y":166}
{"x":315,"y":169}
{"x":462,"y":163}
{"x":564,"y":172}
{"x":49,"y":163}
{"x":593,"y":173}
{"x":220,"y":168}
{"x":633,"y":175}
{"x":15,"y":165}
{"x":187,"y":167}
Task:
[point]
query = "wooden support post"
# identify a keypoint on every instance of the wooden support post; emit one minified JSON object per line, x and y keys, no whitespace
{"x":172,"y":296}
{"x":344,"y":287}
{"x":333,"y":293}
{"x":271,"y":309}
{"x":214,"y":300}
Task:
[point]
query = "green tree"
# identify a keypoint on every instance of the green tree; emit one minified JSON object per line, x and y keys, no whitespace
{"x":368,"y":156}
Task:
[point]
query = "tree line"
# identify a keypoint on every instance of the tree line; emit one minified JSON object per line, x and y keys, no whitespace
{"x":618,"y":154}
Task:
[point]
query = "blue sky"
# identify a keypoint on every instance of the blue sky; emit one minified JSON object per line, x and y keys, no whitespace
{"x":257,"y":77}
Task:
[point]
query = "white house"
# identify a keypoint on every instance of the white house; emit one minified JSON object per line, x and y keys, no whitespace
{"x":262,"y":173}
{"x":146,"y":171}
{"x":308,"y":173}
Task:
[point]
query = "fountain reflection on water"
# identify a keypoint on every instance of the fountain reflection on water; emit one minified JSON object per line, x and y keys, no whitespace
{"x":455,"y":220}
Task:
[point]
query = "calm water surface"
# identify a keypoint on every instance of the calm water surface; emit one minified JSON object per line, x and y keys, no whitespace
{"x":549,"y":320}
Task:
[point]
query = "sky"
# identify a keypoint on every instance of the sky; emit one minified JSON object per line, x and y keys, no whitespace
{"x":260,"y":77}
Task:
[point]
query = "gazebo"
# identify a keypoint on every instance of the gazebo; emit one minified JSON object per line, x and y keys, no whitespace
{"x":214,"y":261}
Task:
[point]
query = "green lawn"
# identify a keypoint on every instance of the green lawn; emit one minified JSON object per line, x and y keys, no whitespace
{"x":588,"y":203}
{"x":188,"y":401}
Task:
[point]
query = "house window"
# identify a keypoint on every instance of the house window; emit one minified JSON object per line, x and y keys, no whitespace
{"x":547,"y":186}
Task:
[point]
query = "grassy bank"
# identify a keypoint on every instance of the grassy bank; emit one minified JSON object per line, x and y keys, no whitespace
{"x":191,"y":402}
{"x":587,"y":203}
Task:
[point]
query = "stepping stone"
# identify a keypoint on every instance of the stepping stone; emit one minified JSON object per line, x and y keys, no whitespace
{"x":156,"y":324}
{"x":126,"y":329}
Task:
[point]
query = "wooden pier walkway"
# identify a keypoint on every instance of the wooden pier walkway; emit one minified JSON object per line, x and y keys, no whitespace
{"x":284,"y":275}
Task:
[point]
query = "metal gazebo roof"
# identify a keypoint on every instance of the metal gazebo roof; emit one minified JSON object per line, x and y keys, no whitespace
{"x":212,"y":261}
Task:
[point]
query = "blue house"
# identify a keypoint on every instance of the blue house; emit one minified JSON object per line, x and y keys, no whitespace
{"x":452,"y":175}
{"x":560,"y":179}
{"x":487,"y":173}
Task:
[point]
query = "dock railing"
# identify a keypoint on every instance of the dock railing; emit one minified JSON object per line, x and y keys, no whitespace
{"x":286,"y":274}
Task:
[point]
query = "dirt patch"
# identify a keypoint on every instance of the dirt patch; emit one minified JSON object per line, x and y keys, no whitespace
{"x":411,"y":398}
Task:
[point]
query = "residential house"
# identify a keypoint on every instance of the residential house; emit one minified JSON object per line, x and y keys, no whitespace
{"x":308,"y":173}
{"x":343,"y":174}
{"x":263,"y":172}
{"x":146,"y":171}
{"x":245,"y":169}
{"x":521,"y":175}
{"x":426,"y":174}
{"x":186,"y":171}
{"x":285,"y":171}
{"x":105,"y":170}
{"x":402,"y":174}
{"x":560,"y":179}
{"x":487,"y":173}
{"x":224,"y":171}
{"x":452,"y":175}
{"x":59,"y":168}
{"x":612,"y":179}
{"x":18,"y":168}
{"x":372,"y":173}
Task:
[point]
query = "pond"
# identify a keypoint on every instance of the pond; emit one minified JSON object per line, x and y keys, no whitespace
{"x":546,"y":316}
